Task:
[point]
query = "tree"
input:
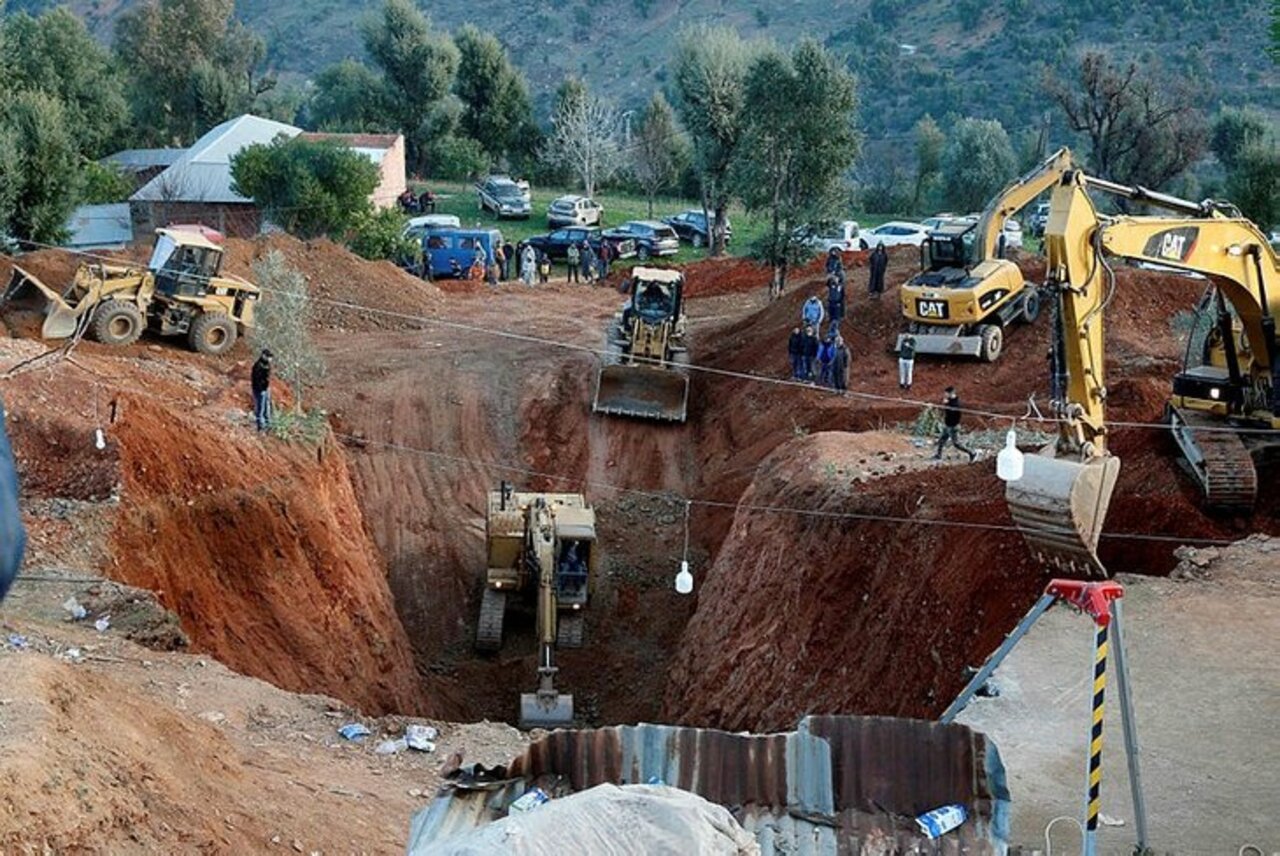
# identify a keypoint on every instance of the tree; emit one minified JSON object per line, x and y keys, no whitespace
{"x":418,"y":68}
{"x":192,"y":66}
{"x":1234,"y":131}
{"x":977,"y":163}
{"x":40,"y":167}
{"x":10,"y":179}
{"x":309,"y":188}
{"x":709,"y":71}
{"x":55,"y":54}
{"x":798,"y":140}
{"x":1254,"y":184}
{"x":349,"y":96}
{"x":584,"y":136}
{"x":930,"y":142}
{"x":1140,"y":130}
{"x":657,"y":152}
{"x":282,"y":323}
{"x":496,"y":111}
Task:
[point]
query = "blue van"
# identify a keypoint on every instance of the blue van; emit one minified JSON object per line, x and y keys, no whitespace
{"x":445,"y":246}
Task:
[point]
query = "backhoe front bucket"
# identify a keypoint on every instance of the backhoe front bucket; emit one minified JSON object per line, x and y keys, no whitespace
{"x":1059,"y":506}
{"x":642,"y":392}
{"x":60,"y":319}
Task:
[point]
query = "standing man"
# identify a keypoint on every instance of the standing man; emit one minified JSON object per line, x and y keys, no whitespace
{"x":13,"y":539}
{"x":840,"y":366}
{"x":878,"y":263}
{"x":528,"y":261}
{"x":544,"y":267}
{"x":951,"y":410}
{"x":811,"y":313}
{"x":835,"y":302}
{"x":906,"y":361}
{"x":508,"y":260}
{"x":588,"y":258}
{"x":571,"y":262}
{"x":808,"y":352}
{"x":835,"y":264}
{"x":260,"y":383}
{"x":826,"y":361}
{"x":795,"y":350}
{"x":500,"y":262}
{"x":606,"y":256}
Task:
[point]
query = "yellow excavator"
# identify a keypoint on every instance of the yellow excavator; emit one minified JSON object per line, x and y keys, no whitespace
{"x":1230,"y":386}
{"x":541,"y":548}
{"x":966,"y":294}
{"x":645,"y":350}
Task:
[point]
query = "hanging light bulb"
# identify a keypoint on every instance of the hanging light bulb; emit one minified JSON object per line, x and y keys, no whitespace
{"x":684,"y":580}
{"x":1009,"y":461}
{"x":99,"y":439}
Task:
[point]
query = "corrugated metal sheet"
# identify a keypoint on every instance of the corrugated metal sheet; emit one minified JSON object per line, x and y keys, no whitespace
{"x":100,"y":227}
{"x":138,"y":160}
{"x":835,"y":785}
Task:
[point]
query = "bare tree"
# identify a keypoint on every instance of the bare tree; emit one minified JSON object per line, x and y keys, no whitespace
{"x":656,"y":152}
{"x":585,"y":136}
{"x":282,"y":323}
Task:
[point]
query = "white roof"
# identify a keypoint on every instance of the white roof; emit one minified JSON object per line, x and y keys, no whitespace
{"x":203,"y":172}
{"x":100,"y":227}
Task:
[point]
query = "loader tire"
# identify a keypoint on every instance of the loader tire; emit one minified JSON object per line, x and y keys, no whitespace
{"x":992,"y":342}
{"x":117,"y":322}
{"x":212,"y":333}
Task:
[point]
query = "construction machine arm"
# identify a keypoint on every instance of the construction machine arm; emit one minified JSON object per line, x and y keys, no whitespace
{"x":1014,"y":198}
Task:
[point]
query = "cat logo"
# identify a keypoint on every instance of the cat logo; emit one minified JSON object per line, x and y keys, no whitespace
{"x":932,"y":309}
{"x":1175,"y":245}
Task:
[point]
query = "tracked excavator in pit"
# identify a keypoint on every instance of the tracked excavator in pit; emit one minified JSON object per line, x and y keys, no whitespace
{"x":1227,"y":390}
{"x":643,"y":375}
{"x":541,"y":550}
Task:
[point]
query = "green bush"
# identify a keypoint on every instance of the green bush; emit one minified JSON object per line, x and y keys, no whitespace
{"x":378,"y":236}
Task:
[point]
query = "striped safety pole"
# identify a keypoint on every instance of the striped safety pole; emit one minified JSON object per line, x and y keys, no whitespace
{"x":1094,"y":801}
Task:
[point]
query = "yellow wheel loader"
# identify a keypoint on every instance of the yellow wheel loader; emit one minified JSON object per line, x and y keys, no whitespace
{"x":642,"y":375}
{"x":541,"y":549}
{"x":1231,"y":384}
{"x":179,"y":292}
{"x":966,"y":295}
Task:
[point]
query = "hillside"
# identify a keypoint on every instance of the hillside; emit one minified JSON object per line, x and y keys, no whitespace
{"x":939,"y":57}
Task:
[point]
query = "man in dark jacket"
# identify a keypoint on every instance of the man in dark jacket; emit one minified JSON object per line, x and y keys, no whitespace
{"x":808,"y":352}
{"x":951,"y":410}
{"x":878,"y":263}
{"x":508,"y":260}
{"x":840,"y":366}
{"x":13,"y":539}
{"x":588,"y":262}
{"x":606,"y":256}
{"x":835,"y":302}
{"x":835,"y":264}
{"x":795,"y":350}
{"x":260,"y":382}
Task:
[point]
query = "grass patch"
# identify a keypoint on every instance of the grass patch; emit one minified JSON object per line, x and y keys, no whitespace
{"x":306,"y":426}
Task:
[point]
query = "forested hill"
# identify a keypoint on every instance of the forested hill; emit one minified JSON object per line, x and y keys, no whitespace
{"x":962,"y":57}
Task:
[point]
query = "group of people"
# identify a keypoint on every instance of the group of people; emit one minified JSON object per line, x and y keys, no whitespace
{"x":424,"y":203}
{"x":583,"y":263}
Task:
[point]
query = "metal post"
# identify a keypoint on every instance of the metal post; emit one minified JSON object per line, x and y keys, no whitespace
{"x":1130,"y":723}
{"x":976,"y":682}
{"x":1093,"y":801}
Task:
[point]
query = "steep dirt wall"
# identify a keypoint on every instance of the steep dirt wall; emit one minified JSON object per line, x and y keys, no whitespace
{"x":260,"y":547}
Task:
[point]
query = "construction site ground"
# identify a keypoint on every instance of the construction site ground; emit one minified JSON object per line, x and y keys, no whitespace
{"x":350,"y":567}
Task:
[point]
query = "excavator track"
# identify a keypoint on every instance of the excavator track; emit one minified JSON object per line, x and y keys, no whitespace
{"x":570,"y":630}
{"x":1218,"y":459}
{"x":493,"y":609}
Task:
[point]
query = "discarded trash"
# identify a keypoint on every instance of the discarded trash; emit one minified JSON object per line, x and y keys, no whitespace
{"x":73,"y":655}
{"x":655,"y":780}
{"x":1108,"y":820}
{"x":989,"y":690}
{"x":391,"y":747}
{"x":353,"y":731}
{"x":73,"y":607}
{"x":531,"y":800}
{"x":18,"y":641}
{"x":102,"y":624}
{"x":420,"y":737}
{"x":940,"y":821}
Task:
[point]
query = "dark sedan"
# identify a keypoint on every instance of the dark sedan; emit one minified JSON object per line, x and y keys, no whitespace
{"x":692,"y":226}
{"x":556,"y":244}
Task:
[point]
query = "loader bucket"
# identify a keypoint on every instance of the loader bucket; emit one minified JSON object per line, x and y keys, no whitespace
{"x":1059,"y":506}
{"x":60,"y":319}
{"x":546,"y":710}
{"x":642,"y":392}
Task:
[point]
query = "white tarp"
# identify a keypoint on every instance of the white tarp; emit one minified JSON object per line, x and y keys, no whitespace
{"x":608,"y":820}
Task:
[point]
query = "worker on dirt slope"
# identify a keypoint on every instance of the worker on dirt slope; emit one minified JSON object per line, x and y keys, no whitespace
{"x":840,"y":366}
{"x":835,"y":264}
{"x":795,"y":350}
{"x":835,"y":301}
{"x":811,"y":313}
{"x":906,"y":361}
{"x":826,"y":359}
{"x":13,"y":539}
{"x":951,"y":410}
{"x":260,"y":383}
{"x":808,"y":352}
{"x":879,"y":263}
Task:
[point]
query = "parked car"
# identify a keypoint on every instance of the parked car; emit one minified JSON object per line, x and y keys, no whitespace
{"x":1039,"y":219}
{"x":897,"y":233}
{"x":651,"y":238}
{"x":692,"y":226}
{"x":443,"y":247}
{"x":417,"y":227}
{"x":503,"y":197}
{"x":556,"y":243}
{"x":1012,"y":233}
{"x":574,"y":211}
{"x":845,"y":236}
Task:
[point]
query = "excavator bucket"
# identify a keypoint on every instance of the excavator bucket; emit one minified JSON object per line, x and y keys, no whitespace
{"x":60,"y":319}
{"x":642,"y":392}
{"x":546,"y":708}
{"x":1059,"y":506}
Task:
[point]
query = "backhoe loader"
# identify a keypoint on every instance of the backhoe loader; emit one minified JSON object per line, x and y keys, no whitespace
{"x":541,"y":548}
{"x":645,"y":346}
{"x":1231,"y":385}
{"x":967,"y":295}
{"x":179,"y":292}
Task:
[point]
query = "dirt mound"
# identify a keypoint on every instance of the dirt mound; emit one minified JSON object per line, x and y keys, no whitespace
{"x":732,"y":275}
{"x":337,"y":276}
